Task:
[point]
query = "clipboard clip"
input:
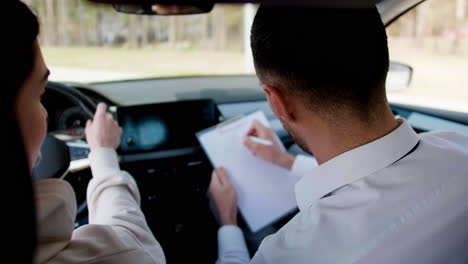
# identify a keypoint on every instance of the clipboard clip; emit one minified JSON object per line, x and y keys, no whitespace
{"x":234,"y":119}
{"x":228,"y":122}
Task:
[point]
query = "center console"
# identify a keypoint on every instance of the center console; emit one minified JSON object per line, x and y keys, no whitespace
{"x":160,"y":150}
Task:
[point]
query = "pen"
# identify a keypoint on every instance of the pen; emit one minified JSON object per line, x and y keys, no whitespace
{"x":262,"y":141}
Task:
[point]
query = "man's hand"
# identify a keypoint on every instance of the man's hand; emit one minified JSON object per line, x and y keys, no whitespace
{"x":103,"y":131}
{"x":224,"y":196}
{"x":272,"y":153}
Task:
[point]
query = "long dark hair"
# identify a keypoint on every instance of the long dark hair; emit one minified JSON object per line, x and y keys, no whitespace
{"x":20,"y":29}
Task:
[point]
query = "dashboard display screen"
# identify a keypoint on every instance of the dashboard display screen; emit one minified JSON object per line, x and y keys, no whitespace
{"x":164,"y":126}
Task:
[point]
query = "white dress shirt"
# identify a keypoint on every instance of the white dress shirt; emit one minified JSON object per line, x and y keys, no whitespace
{"x":399,"y":199}
{"x":117,"y":231}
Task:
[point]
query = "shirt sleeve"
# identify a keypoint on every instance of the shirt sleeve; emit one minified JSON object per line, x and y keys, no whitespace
{"x":231,"y":246}
{"x":303,"y":165}
{"x":114,"y":200}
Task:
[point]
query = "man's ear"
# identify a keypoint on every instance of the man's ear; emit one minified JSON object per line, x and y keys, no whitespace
{"x":279,"y":102}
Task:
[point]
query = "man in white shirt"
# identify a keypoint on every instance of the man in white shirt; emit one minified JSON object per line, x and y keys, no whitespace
{"x":381,"y":192}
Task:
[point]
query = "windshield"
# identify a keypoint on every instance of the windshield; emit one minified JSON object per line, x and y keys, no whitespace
{"x":88,"y":43}
{"x":85,"y":42}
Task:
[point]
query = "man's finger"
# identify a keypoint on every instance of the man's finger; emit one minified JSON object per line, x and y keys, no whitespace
{"x":214,"y":179}
{"x":258,"y":125}
{"x":221,"y":173}
{"x":247,"y":142}
{"x":252,"y":132}
{"x":254,"y":128}
{"x":259,"y":130}
{"x":251,"y":145}
{"x":89,"y":123}
{"x":101,"y":109}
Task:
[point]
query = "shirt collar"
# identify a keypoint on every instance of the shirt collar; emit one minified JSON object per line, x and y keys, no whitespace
{"x":355,"y":164}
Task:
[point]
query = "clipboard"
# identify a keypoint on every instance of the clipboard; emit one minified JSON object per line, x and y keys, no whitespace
{"x":265,"y":192}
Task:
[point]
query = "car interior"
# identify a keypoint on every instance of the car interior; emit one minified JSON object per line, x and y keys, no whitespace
{"x":160,"y":117}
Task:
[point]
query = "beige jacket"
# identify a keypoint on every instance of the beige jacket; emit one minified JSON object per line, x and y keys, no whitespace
{"x":117,"y":231}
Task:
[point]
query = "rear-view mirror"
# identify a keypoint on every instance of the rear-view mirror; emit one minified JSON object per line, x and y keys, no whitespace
{"x":164,"y":9}
{"x":399,"y":77}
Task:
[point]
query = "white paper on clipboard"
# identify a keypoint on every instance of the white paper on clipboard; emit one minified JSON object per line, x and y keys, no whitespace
{"x":265,"y":192}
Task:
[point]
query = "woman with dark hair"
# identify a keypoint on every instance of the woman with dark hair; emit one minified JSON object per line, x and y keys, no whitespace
{"x":118,"y":232}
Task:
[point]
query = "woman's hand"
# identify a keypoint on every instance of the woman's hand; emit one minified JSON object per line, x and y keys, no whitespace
{"x":272,"y":153}
{"x":103,"y":131}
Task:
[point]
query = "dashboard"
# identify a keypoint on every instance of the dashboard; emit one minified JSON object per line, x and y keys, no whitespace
{"x":159,"y":149}
{"x":165,"y":126}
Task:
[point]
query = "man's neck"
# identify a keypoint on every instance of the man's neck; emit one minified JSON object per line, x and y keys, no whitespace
{"x":330,"y":140}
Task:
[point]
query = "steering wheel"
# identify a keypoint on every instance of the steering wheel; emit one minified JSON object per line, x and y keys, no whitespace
{"x":56,"y":151}
{"x":77,"y":97}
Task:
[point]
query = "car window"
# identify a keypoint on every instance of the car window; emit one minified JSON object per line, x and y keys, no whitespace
{"x":433,"y":39}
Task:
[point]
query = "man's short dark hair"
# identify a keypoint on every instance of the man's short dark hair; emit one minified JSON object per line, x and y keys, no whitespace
{"x":336,"y":59}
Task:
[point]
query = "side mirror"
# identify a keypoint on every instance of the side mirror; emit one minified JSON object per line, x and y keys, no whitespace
{"x":164,"y":9}
{"x":399,"y":77}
